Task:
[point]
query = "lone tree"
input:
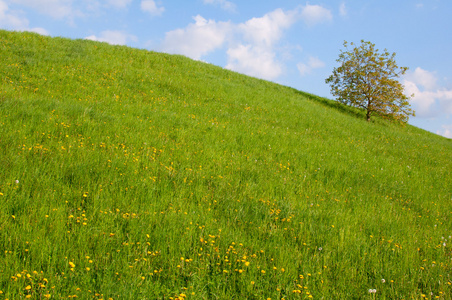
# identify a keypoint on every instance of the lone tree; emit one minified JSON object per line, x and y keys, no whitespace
{"x":368,"y":79}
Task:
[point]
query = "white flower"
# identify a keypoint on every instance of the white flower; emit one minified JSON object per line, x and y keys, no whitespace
{"x":372,"y":291}
{"x":17,"y":181}
{"x":383,"y":280}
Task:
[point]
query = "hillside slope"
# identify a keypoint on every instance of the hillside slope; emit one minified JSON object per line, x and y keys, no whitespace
{"x":129,"y":174}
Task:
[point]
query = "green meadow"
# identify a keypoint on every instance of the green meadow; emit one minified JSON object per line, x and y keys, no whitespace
{"x":130,"y":174}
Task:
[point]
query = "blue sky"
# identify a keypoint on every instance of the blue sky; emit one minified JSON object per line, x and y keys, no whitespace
{"x":295,"y":43}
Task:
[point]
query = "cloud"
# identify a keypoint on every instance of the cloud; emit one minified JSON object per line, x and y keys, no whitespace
{"x":422,"y":102}
{"x":343,"y":10}
{"x":11,"y":19}
{"x":430,"y":100}
{"x":254,"y":61}
{"x":253,"y":52}
{"x":14,"y":21}
{"x":151,"y":7}
{"x":197,"y":39}
{"x":422,"y":77}
{"x":224,"y":4}
{"x":119,"y":3}
{"x":268,"y":29}
{"x":251,"y":45}
{"x":315,"y":14}
{"x":446,"y":131}
{"x":39,"y":30}
{"x":58,"y":9}
{"x":113,"y":37}
{"x":313,"y":63}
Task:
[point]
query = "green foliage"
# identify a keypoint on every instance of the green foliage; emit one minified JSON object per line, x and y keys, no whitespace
{"x":128,"y":174}
{"x":368,"y":79}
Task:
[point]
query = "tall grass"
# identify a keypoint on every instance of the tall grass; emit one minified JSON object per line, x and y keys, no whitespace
{"x":128,"y":174}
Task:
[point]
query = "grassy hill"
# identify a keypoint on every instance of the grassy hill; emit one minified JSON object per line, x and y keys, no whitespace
{"x":129,"y":174}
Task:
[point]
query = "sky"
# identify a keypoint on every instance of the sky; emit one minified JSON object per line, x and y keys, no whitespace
{"x":294,"y":43}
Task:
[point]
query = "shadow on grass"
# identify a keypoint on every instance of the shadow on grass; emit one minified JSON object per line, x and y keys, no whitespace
{"x":355,"y":112}
{"x":352,"y":111}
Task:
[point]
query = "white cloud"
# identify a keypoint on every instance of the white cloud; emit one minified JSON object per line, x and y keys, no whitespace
{"x":445,"y":100}
{"x":254,"y":61}
{"x":113,"y":37}
{"x":253,"y":52}
{"x":197,"y":39}
{"x":39,"y":30}
{"x":315,"y":14}
{"x":11,"y":19}
{"x":119,"y":3}
{"x":268,"y":29}
{"x":14,"y":21}
{"x":58,"y":9}
{"x":151,"y":7}
{"x":313,"y":63}
{"x":422,"y":102}
{"x":343,"y":9}
{"x":446,"y":131}
{"x":422,"y":77}
{"x":224,"y":4}
{"x":429,"y":101}
{"x":251,"y":45}
{"x":69,"y":10}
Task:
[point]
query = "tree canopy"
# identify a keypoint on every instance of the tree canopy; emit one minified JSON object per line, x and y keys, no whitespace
{"x":367,"y":79}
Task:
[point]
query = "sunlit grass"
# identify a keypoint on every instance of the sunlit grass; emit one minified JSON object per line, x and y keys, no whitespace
{"x":128,"y":174}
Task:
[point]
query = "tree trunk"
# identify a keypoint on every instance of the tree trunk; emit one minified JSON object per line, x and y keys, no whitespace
{"x":369,"y":111}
